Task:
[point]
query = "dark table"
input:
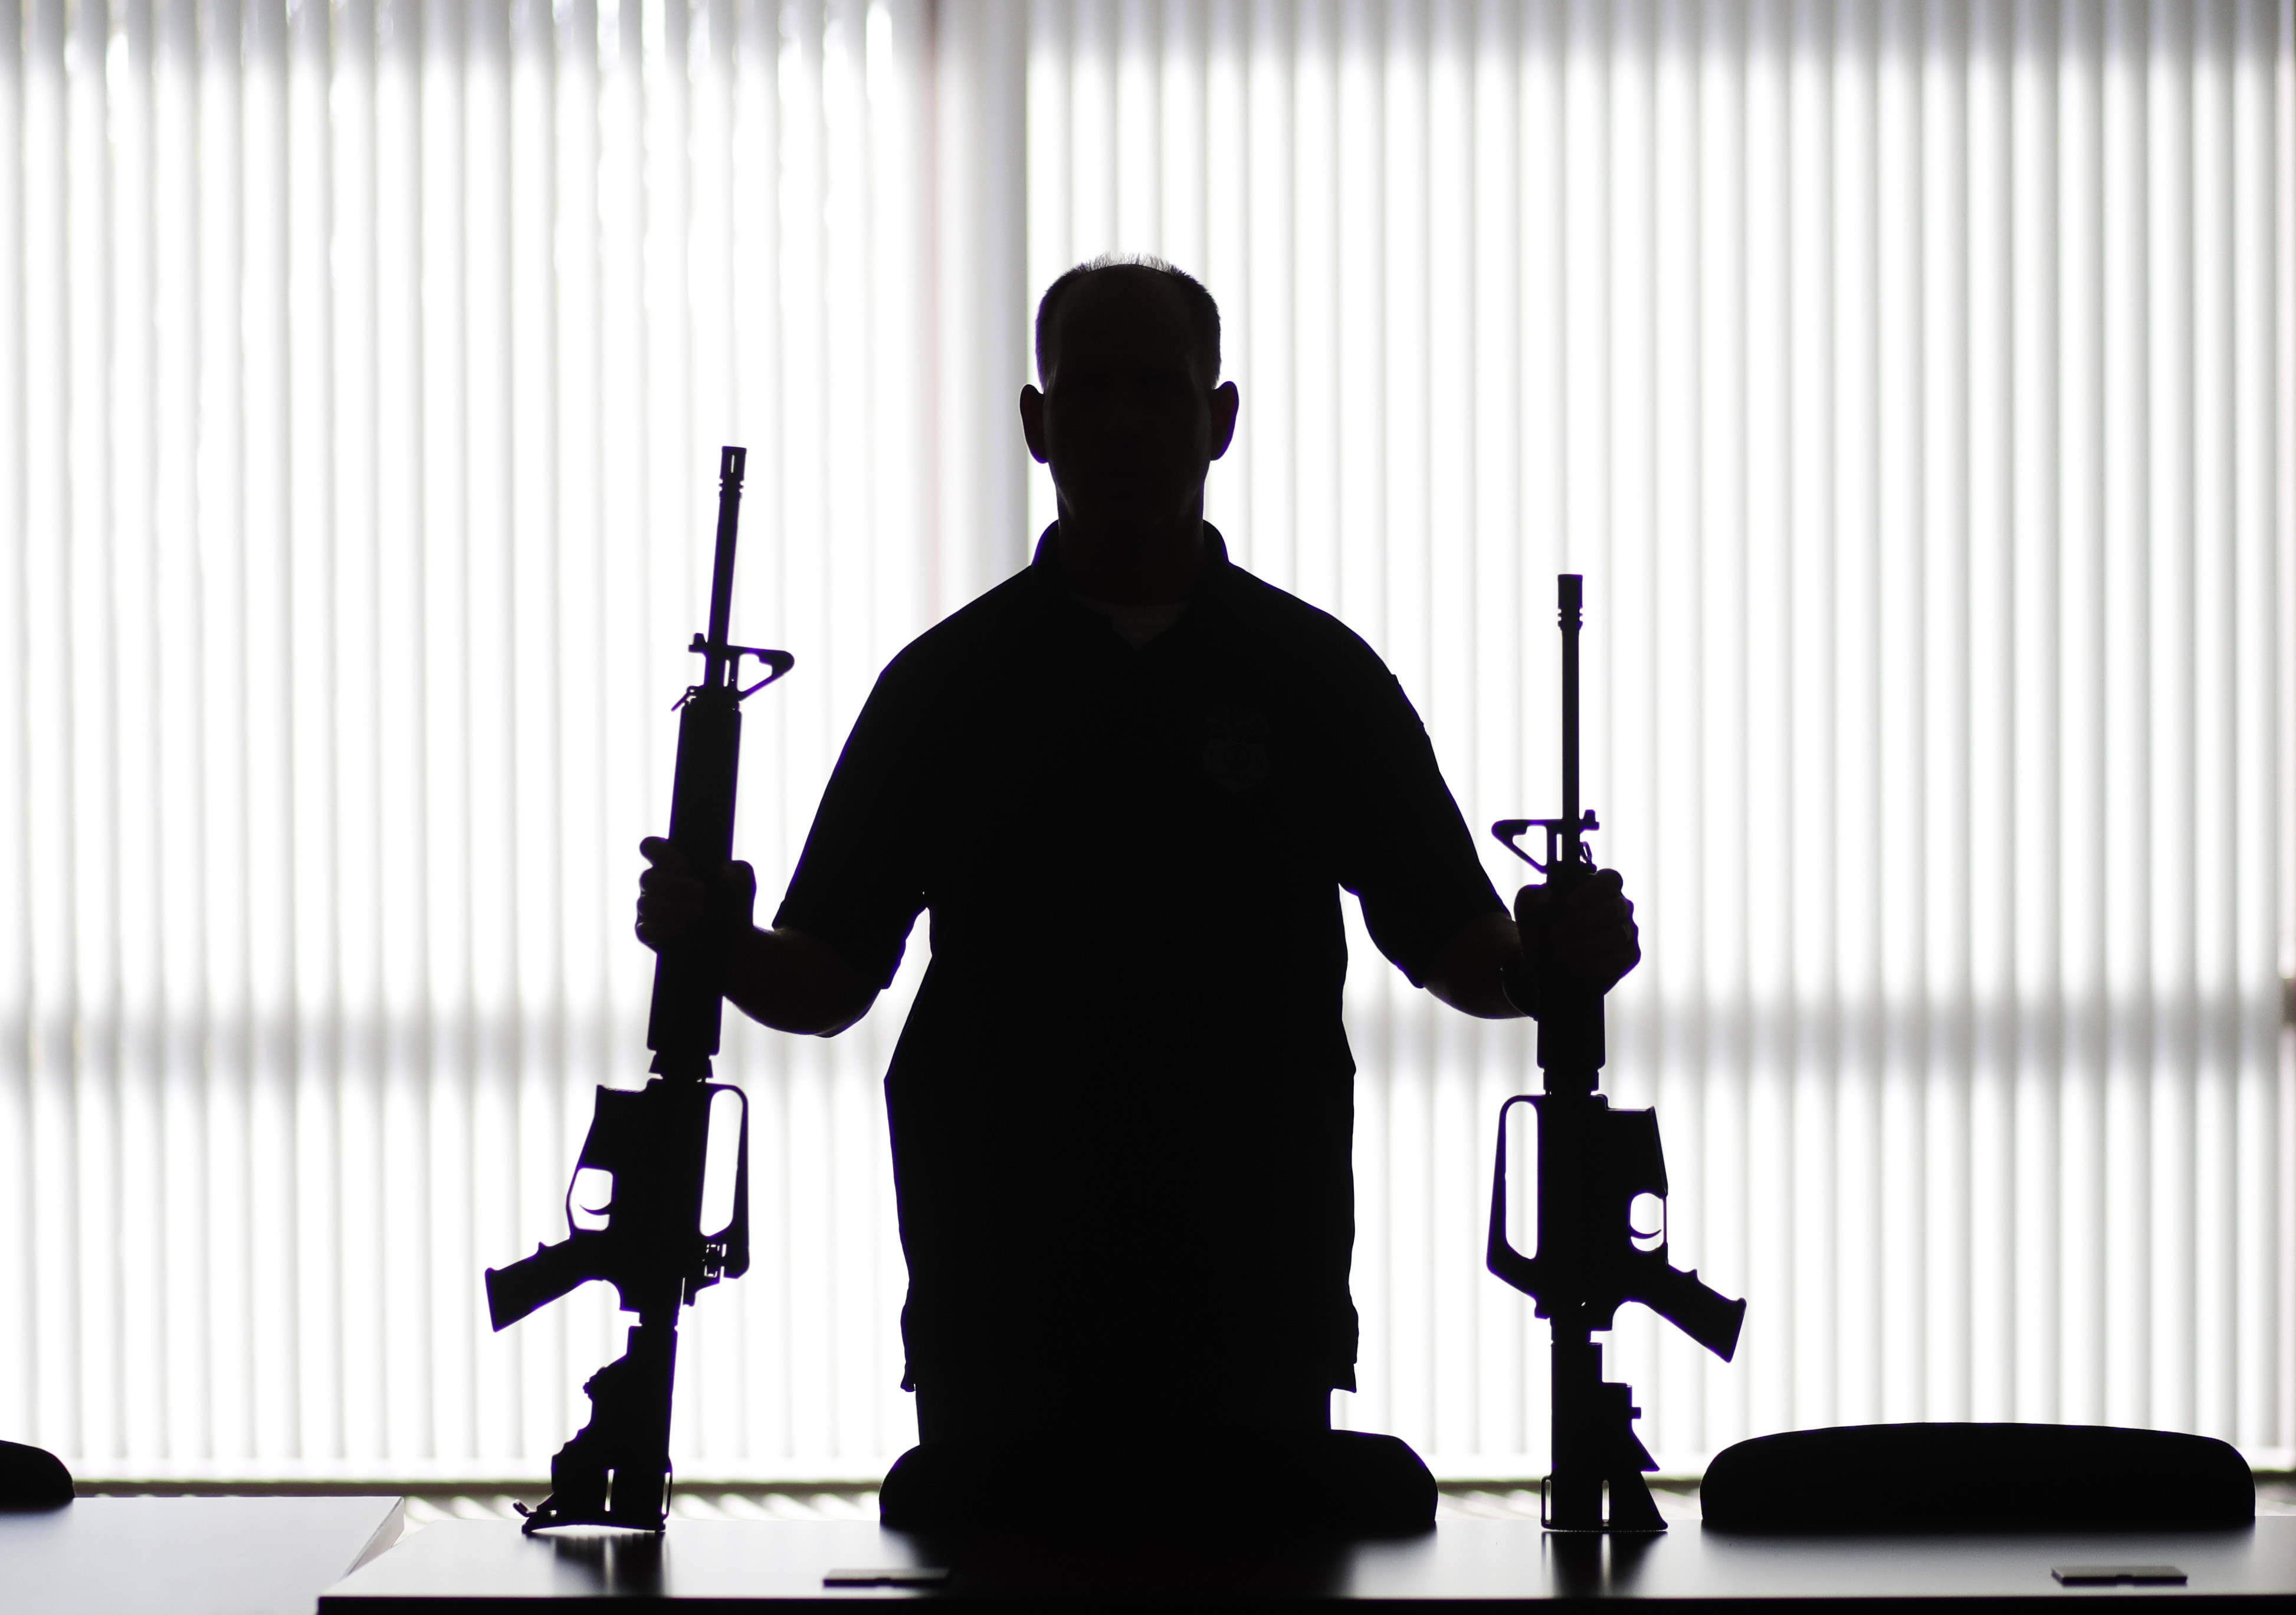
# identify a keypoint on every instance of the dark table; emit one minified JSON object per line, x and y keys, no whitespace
{"x":188,"y":1555}
{"x":725,"y":1565}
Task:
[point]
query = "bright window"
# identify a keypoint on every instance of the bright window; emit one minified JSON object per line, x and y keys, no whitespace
{"x":1911,"y":382}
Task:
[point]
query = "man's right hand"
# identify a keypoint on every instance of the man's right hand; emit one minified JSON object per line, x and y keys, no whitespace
{"x":786,"y":978}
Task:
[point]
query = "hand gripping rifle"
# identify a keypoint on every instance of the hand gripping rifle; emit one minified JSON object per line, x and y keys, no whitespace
{"x":1594,"y":1162}
{"x":654,"y":1141}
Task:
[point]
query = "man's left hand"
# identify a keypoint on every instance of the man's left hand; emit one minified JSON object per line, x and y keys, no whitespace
{"x":1581,"y":939}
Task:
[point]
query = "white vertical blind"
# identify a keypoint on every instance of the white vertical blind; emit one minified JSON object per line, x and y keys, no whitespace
{"x":1914,"y":383}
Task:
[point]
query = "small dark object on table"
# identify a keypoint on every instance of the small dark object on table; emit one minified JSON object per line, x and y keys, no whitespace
{"x":2119,"y":1574}
{"x":892,"y":1575}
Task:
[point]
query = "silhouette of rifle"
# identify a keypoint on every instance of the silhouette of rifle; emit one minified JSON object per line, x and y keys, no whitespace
{"x":654,"y":1141}
{"x":1594,"y":1162}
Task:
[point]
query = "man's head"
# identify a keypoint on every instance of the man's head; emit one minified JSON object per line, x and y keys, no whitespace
{"x":1144,"y":274}
{"x":1132,"y":411}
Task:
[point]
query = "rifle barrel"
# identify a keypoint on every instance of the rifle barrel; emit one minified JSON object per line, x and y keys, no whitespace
{"x":731,"y":464}
{"x":1568,"y":599}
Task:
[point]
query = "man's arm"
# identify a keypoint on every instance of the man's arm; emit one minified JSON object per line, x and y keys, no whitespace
{"x":787,"y":980}
{"x":1590,"y":941}
{"x":1466,"y":969}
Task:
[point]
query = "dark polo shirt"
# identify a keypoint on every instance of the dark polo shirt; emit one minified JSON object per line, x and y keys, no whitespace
{"x":1122,"y":1107}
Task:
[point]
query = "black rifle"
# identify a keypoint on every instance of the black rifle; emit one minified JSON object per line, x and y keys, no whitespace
{"x":1594,"y":1162}
{"x":654,"y":1141}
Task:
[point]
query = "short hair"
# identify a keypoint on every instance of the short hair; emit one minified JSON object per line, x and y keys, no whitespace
{"x":1202,"y":309}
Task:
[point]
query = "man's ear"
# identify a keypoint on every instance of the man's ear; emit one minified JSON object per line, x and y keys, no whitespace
{"x":1226,"y":402}
{"x":1032,"y":421}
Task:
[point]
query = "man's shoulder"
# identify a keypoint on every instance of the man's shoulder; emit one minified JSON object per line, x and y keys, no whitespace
{"x":1297,"y":631}
{"x":985,"y":628}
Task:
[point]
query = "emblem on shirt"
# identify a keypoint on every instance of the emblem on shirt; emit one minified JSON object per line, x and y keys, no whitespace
{"x":1235,"y":747}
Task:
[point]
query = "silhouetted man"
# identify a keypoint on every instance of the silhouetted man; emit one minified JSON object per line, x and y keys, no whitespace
{"x":1130,"y":783}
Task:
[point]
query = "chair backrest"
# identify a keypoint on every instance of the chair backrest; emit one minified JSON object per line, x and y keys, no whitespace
{"x":32,"y":1477}
{"x":1978,"y":1478}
